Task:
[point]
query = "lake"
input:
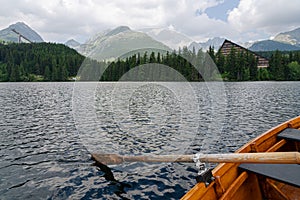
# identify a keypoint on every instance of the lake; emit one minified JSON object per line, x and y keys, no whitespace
{"x":48,"y":130}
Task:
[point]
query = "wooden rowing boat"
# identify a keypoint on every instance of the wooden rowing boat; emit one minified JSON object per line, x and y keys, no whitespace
{"x":257,"y":181}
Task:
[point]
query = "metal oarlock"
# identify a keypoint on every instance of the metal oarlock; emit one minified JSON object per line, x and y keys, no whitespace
{"x":200,"y":165}
{"x":204,"y":174}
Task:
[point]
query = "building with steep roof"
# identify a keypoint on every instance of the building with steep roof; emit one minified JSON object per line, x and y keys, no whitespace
{"x":226,"y":48}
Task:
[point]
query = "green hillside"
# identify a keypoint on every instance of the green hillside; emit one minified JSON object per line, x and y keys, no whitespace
{"x":38,"y":61}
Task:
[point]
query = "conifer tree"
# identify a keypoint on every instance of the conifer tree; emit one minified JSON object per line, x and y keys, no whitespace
{"x":47,"y":74}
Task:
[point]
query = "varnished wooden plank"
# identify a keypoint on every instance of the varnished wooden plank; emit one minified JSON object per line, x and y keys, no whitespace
{"x":234,"y":187}
{"x":277,"y":146}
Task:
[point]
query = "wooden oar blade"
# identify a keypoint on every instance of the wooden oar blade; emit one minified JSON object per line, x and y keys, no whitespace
{"x":107,"y":159}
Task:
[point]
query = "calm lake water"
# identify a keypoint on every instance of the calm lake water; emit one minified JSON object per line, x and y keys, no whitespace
{"x":48,"y":130}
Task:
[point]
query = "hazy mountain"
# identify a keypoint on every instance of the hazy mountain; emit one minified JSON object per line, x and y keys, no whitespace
{"x":195,"y":45}
{"x":171,"y":38}
{"x":270,"y":45}
{"x":72,"y":44}
{"x":247,"y":44}
{"x":8,"y":35}
{"x":215,"y":42}
{"x":111,"y":44}
{"x":290,"y":37}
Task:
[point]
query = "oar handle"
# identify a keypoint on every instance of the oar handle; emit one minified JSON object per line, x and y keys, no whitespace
{"x":270,"y":157}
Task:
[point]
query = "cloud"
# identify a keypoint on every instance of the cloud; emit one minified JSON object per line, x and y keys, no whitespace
{"x":268,"y":16}
{"x":202,"y":27}
{"x":58,"y":20}
{"x":64,"y":18}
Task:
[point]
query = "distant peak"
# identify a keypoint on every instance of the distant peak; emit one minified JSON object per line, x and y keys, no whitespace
{"x":19,"y":24}
{"x":71,"y":40}
{"x":118,"y":30}
{"x":22,"y":28}
{"x":72,"y":43}
{"x":124,"y":28}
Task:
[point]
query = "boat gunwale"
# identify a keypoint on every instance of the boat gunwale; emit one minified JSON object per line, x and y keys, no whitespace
{"x":221,"y":169}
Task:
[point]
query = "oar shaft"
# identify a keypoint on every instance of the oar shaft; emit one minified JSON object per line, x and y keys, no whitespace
{"x":159,"y":158}
{"x":270,"y":157}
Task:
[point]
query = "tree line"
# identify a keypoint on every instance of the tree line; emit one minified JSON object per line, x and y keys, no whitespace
{"x":156,"y":66}
{"x":236,"y":66}
{"x":56,"y":62}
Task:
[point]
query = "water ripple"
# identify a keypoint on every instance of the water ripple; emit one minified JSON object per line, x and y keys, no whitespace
{"x":42,"y":155}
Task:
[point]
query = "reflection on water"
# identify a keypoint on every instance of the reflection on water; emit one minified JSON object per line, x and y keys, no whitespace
{"x":44,"y":155}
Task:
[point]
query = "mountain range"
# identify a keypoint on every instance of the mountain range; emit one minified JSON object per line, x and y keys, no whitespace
{"x":112,"y":43}
{"x":287,"y":41}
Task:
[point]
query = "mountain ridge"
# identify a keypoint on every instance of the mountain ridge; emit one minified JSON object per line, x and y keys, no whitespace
{"x":290,"y":37}
{"x":109,"y":45}
{"x":9,"y":36}
{"x":215,"y":42}
{"x":272,"y":45}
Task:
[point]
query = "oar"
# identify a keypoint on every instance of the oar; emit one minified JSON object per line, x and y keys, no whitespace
{"x":272,"y":157}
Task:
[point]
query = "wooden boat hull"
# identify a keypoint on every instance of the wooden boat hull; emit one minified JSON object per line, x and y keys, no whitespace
{"x":233,"y":183}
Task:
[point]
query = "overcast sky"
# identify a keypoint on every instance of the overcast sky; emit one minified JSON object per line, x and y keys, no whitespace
{"x":238,"y":20}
